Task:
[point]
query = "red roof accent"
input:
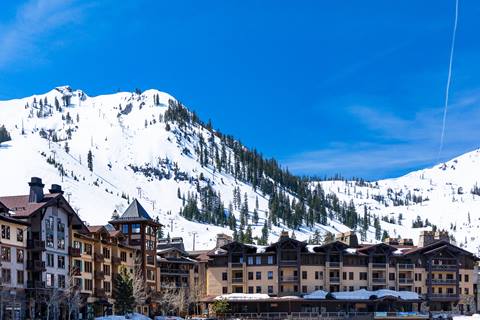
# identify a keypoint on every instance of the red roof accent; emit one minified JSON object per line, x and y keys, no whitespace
{"x":22,"y":208}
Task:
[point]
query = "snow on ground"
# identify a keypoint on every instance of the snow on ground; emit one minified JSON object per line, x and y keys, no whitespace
{"x":134,"y":316}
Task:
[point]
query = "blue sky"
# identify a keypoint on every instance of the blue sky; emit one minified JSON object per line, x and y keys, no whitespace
{"x":350,"y":87}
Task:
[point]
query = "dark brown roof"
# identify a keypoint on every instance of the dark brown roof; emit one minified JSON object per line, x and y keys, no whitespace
{"x":22,"y":208}
{"x":95,"y":229}
{"x":7,"y":218}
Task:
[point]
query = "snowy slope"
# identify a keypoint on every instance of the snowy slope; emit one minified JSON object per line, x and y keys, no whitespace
{"x":122,"y":130}
{"x":442,"y":195}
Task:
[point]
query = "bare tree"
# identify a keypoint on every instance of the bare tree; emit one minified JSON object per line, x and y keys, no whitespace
{"x":71,"y":294}
{"x":196,"y":293}
{"x":140,"y":290}
{"x":53,"y":298}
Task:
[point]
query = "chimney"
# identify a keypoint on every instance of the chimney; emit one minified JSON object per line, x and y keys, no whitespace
{"x":349,"y":238}
{"x":56,"y":188}
{"x":284,"y":235}
{"x":36,"y":190}
{"x":426,"y":238}
{"x":223,"y":239}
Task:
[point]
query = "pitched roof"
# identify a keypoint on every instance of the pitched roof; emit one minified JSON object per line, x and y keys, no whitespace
{"x":135,"y":212}
{"x":23,"y":208}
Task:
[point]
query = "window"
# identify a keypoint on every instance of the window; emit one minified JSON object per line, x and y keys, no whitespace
{"x":135,"y":228}
{"x":106,"y":269}
{"x":106,"y":253}
{"x":258,"y":289}
{"x":270,"y":289}
{"x":270,"y":260}
{"x":88,"y":249}
{"x":250,"y":289}
{"x":50,"y":280}
{"x":350,"y":288}
{"x":150,"y":245}
{"x":350,"y":277}
{"x":465,"y":290}
{"x":19,"y":235}
{"x":125,"y":228}
{"x":258,"y":275}
{"x":20,"y":255}
{"x":318,"y":275}
{"x":224,"y":290}
{"x":304,"y":289}
{"x":50,"y":262}
{"x":5,"y":232}
{"x":60,"y":234}
{"x":20,"y":277}
{"x":88,"y":266}
{"x":106,"y":286}
{"x":418,"y":277}
{"x":258,"y":260}
{"x":460,"y":277}
{"x":61,"y":262}
{"x":6,"y":254}
{"x":78,"y":283}
{"x":77,"y":245}
{"x":250,"y":275}
{"x":6,"y":276}
{"x":304,"y":275}
{"x":250,"y":260}
{"x":224,"y":276}
{"x":123,"y":256}
{"x":49,"y":231}
{"x":88,"y":284}
{"x":61,"y":281}
{"x":465,"y":277}
{"x":391,"y":276}
{"x":78,"y":264}
{"x":270,"y":275}
{"x":344,"y":276}
{"x":363,"y":276}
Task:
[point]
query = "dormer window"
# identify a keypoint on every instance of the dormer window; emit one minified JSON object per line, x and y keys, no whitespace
{"x":136,"y":228}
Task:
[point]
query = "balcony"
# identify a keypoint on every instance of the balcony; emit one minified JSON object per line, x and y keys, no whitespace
{"x":334,"y":279}
{"x":116,"y":260}
{"x":379,"y":265}
{"x":99,"y":274}
{"x":35,"y":284}
{"x":289,"y":278}
{"x":36,"y":265}
{"x":174,"y":272}
{"x":35,"y":245}
{"x":288,"y":262}
{"x":237,"y":280}
{"x":444,"y":267}
{"x":237,"y":264}
{"x":99,"y":292}
{"x":442,"y":281}
{"x":405,"y":266}
{"x":74,"y":252}
{"x":99,"y":257}
{"x":443,"y":296}
{"x":379,"y":280}
{"x":405,"y":281}
{"x":334,"y":264}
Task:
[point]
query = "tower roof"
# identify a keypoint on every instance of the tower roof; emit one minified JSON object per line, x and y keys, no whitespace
{"x":135,"y":212}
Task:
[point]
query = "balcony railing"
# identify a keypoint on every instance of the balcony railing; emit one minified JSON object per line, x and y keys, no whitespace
{"x":36,"y":265}
{"x":74,"y":252}
{"x":99,"y":274}
{"x":334,"y":279}
{"x":99,"y":257}
{"x":288,"y":262}
{"x":35,"y":244}
{"x":237,"y":280}
{"x":334,"y":264}
{"x":444,"y":267}
{"x":99,"y":292}
{"x":405,"y":266}
{"x":237,"y":264}
{"x":378,"y":265}
{"x":378,"y":280}
{"x":446,"y":296}
{"x":288,"y":278}
{"x":35,"y":284}
{"x":405,"y":280}
{"x":441,"y":281}
{"x":116,"y":260}
{"x":174,"y":271}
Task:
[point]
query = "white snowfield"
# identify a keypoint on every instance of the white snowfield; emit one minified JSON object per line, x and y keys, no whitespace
{"x":121,"y":130}
{"x":127,"y":129}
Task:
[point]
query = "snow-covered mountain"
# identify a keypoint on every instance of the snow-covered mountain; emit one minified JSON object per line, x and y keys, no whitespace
{"x":446,"y":196}
{"x":146,"y":145}
{"x":136,"y":153}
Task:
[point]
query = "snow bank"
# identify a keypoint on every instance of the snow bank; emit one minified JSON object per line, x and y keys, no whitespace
{"x":134,"y":316}
{"x":472,"y":317}
{"x":243,"y":296}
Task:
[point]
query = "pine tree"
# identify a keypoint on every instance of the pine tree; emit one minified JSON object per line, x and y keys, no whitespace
{"x":264,"y":239}
{"x":90,"y":160}
{"x":247,"y":237}
{"x":4,"y":134}
{"x":67,"y":148}
{"x":124,"y":299}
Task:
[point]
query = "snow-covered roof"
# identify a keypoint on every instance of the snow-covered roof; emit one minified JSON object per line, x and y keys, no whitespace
{"x":243,"y":296}
{"x":364,"y":294}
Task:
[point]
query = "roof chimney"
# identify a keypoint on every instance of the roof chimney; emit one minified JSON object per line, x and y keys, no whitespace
{"x":56,"y":188}
{"x":36,"y":190}
{"x":223,"y":239}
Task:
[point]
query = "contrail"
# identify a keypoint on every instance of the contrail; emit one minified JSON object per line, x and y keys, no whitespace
{"x":442,"y":136}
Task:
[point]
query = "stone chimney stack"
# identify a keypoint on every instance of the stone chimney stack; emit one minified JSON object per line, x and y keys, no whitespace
{"x":223,"y":239}
{"x":429,"y":237}
{"x":36,"y":190}
{"x":56,"y":188}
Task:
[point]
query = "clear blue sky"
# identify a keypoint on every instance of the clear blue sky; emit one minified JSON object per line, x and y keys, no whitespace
{"x":354,"y":87}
